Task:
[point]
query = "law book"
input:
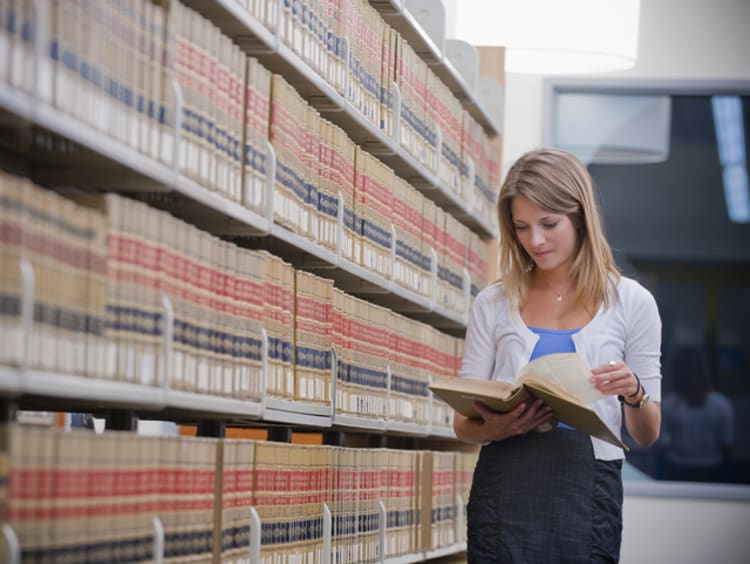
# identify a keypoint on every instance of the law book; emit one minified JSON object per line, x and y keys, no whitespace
{"x":561,"y":380}
{"x":465,"y":464}
{"x":327,"y":201}
{"x":256,"y":111}
{"x":12,"y":227}
{"x":344,"y":160}
{"x":312,"y":338}
{"x":443,"y":500}
{"x":310,"y":159}
{"x":374,"y":205}
{"x":453,"y":273}
{"x":407,"y":222}
{"x":251,"y":298}
{"x":441,"y":358}
{"x":439,"y":244}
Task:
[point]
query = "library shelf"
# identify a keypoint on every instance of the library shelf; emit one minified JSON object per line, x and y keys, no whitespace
{"x":397,"y":13}
{"x":212,"y":211}
{"x":259,"y":42}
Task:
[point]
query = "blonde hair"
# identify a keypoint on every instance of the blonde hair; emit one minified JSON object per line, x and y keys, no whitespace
{"x":557,"y":182}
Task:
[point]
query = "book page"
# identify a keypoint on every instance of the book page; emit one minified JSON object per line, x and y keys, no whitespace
{"x":565,"y":371}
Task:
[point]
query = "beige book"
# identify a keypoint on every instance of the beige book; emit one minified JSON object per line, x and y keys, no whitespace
{"x":12,"y":222}
{"x":39,"y":235}
{"x":96,"y":294}
{"x":561,"y":380}
{"x":312,"y":174}
{"x":167,"y":488}
{"x":164,"y":74}
{"x":128,"y":523}
{"x":345,"y":152}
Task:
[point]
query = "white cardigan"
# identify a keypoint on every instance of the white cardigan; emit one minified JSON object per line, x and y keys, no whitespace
{"x":498,"y":343}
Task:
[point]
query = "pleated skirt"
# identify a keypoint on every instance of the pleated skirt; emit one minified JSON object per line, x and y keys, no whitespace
{"x":542,"y":498}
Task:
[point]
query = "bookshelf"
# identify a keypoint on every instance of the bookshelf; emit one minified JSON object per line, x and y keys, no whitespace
{"x":260,"y":42}
{"x":56,"y":148}
{"x":433,"y":47}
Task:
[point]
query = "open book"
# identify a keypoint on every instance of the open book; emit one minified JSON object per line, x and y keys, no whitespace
{"x":562,"y":381}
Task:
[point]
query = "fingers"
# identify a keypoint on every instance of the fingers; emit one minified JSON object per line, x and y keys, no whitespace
{"x":522,"y":419}
{"x":530,"y":416}
{"x":614,"y":378}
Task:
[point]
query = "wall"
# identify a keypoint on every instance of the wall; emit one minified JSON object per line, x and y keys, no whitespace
{"x":664,"y":530}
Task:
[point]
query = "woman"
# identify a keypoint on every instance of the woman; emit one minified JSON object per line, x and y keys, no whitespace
{"x":698,"y":426}
{"x":556,"y":496}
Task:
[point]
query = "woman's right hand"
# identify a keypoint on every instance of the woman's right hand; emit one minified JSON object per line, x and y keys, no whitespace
{"x":494,"y":426}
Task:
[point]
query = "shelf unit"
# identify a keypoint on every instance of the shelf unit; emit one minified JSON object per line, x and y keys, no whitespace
{"x":259,"y":42}
{"x":13,"y":553}
{"x":215,"y":209}
{"x":67,"y":392}
{"x":433,"y":50}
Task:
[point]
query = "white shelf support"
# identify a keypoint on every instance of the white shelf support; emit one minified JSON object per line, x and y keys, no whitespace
{"x":12,"y":546}
{"x":467,"y":294}
{"x":166,"y":343}
{"x":334,"y":376}
{"x":42,"y":87}
{"x":327,"y":534}
{"x":340,"y":227}
{"x":346,"y":55}
{"x":388,"y":393}
{"x":460,"y":519}
{"x":396,"y":135}
{"x":430,"y":404}
{"x":255,"y":537}
{"x":270,"y":186}
{"x":383,"y":525}
{"x":471,"y":173}
{"x":433,"y":277}
{"x":179,"y":103}
{"x":392,"y":277}
{"x":431,"y":17}
{"x":263,"y":371}
{"x":158,"y":540}
{"x":439,"y":156}
{"x":279,"y":10}
{"x":28,"y":284}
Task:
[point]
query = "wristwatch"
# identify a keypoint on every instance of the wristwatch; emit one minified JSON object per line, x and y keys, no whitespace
{"x":642,"y":401}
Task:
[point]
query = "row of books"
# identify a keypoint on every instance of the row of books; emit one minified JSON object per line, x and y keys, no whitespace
{"x":75,"y":496}
{"x":321,"y":31}
{"x":113,"y":65}
{"x":101,"y":270}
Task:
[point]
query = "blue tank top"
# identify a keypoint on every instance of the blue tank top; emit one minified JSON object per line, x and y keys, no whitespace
{"x":553,"y":341}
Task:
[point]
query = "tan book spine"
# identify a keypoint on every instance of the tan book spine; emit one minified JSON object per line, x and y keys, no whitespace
{"x":168,"y":491}
{"x":96,"y":295}
{"x":166,"y":20}
{"x":12,"y":224}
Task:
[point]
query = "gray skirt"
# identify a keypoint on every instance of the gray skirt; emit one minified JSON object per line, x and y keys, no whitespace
{"x":542,"y":498}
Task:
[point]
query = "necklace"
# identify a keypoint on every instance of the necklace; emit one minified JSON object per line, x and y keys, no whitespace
{"x":558,"y":298}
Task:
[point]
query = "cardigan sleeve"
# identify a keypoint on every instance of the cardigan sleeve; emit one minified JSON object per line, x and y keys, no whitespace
{"x":479,"y":348}
{"x":643,"y":343}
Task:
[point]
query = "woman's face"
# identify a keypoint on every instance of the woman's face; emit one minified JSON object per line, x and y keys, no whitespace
{"x":550,"y":239}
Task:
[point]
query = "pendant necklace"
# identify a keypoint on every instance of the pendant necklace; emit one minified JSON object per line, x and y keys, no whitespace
{"x":558,"y":298}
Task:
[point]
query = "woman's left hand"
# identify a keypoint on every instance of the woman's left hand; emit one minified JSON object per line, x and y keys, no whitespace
{"x":615,"y":379}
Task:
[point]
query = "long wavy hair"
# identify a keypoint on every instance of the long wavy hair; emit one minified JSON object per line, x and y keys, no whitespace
{"x":559,"y":183}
